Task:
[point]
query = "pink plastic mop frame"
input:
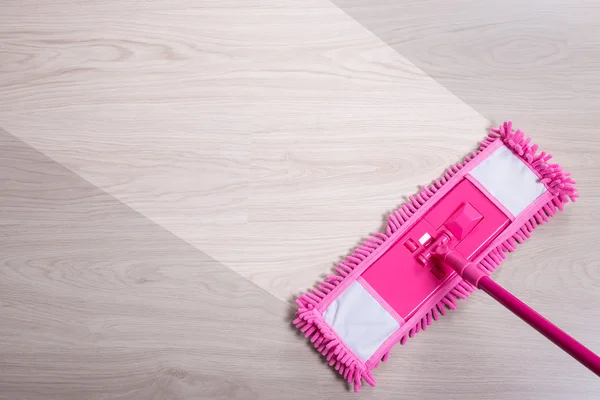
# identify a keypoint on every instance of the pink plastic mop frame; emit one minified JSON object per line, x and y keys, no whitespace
{"x":311,"y":305}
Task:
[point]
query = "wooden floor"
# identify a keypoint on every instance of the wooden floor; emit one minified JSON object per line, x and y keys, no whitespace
{"x":174,"y":173}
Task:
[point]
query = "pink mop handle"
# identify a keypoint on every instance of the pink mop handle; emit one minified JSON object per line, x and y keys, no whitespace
{"x":472,"y":274}
{"x":560,"y":338}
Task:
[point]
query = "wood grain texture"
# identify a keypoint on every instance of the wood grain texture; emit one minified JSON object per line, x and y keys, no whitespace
{"x":270,"y":137}
{"x":233,"y":121}
{"x":98,"y":302}
{"x":521,"y":52}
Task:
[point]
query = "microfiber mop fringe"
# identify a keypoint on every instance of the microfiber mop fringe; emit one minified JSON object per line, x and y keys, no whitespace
{"x":310,"y":320}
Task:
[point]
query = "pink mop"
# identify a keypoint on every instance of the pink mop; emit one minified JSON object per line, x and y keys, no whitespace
{"x":436,"y":250}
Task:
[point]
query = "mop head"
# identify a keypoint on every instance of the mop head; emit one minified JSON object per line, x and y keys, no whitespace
{"x":385,"y":292}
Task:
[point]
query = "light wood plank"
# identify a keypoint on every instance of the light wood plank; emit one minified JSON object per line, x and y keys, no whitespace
{"x":270,"y":137}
